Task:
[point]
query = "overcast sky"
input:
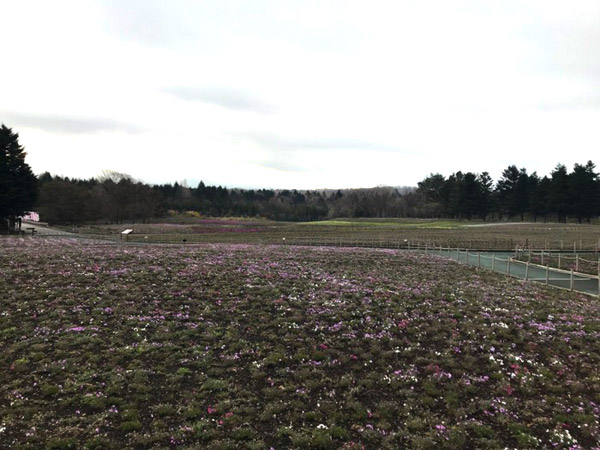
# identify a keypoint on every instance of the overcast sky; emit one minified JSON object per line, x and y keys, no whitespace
{"x":301,"y":94}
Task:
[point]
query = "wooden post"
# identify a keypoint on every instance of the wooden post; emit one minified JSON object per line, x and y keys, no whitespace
{"x":571,"y":287}
{"x":508,"y":267}
{"x":527,"y":271}
{"x":478,"y":260}
{"x":542,"y":261}
{"x":577,"y":262}
{"x":559,"y":261}
{"x":547,"y":273}
{"x":574,"y":246}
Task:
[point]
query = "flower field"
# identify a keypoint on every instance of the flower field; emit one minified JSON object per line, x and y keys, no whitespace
{"x":243,"y":346}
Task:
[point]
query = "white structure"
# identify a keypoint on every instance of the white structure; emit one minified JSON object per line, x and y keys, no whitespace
{"x":31,"y":216}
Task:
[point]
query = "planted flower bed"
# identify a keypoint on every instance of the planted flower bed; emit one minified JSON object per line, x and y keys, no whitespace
{"x":234,"y":346}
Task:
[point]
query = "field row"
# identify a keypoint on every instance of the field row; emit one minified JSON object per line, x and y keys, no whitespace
{"x":236,"y":346}
{"x":382,"y":234}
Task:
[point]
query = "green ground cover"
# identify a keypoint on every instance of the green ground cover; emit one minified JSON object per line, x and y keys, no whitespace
{"x":394,"y":223}
{"x":242,"y":346}
{"x":369,"y":233}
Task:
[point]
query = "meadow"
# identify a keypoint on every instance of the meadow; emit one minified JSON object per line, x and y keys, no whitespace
{"x":259,"y":346}
{"x":390,"y":233}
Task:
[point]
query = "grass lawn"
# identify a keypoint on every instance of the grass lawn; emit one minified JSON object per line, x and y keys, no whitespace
{"x":239,"y":346}
{"x":365,"y":232}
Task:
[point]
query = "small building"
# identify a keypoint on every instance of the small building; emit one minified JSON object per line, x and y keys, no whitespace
{"x":31,"y":216}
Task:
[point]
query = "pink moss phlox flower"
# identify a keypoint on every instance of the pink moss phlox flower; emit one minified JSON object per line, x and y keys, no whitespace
{"x":403,"y":324}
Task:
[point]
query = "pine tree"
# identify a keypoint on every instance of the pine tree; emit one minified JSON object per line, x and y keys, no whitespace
{"x":18,"y":184}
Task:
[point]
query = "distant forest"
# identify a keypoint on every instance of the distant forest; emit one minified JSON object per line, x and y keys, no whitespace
{"x":517,"y":195}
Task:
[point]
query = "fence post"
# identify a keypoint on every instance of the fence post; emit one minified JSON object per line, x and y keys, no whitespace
{"x":577,"y":262}
{"x":494,"y":262}
{"x":542,"y":262}
{"x":547,"y":273}
{"x":478,"y":260}
{"x":508,"y":267}
{"x":527,"y":271}
{"x":574,"y":246}
{"x":467,"y":256}
{"x":571,"y":287}
{"x":559,"y":261}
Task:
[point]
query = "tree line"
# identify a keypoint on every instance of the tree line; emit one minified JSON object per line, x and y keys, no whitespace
{"x":118,"y":198}
{"x":517,"y":195}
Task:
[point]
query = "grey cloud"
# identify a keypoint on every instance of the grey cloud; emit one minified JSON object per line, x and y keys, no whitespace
{"x":279,"y":142}
{"x":225,"y":98}
{"x":283,"y":166}
{"x":69,"y":124}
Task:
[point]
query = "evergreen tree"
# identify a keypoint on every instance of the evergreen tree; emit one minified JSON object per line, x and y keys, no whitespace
{"x":506,"y":189}
{"x":558,"y":195}
{"x":18,"y":184}
{"x":583,"y":191}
